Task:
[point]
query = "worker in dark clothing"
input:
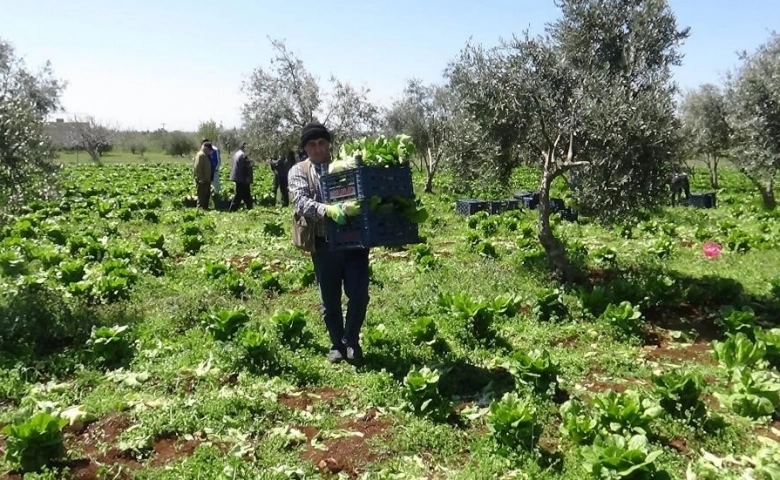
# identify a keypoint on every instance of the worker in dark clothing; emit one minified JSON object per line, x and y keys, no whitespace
{"x":242,"y":174}
{"x":280,"y":168}
{"x":292,"y":159}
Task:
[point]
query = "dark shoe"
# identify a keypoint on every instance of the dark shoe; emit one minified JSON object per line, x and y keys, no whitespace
{"x":335,"y":355}
{"x":354,"y":353}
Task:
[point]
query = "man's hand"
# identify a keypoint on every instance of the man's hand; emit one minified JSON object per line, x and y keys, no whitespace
{"x":336,"y":213}
{"x":351,"y":208}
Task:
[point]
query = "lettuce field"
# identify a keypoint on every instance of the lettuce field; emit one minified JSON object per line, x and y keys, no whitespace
{"x":140,"y":338}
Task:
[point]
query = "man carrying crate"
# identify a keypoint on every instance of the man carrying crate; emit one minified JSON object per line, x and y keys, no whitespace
{"x":331,"y":268}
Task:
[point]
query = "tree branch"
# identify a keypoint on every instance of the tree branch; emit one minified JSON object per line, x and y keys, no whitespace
{"x":555,"y":144}
{"x":542,"y":124}
{"x":568,"y":166}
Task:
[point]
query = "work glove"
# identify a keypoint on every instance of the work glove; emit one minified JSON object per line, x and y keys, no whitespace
{"x":336,"y":213}
{"x":351,"y":208}
{"x":341,"y":165}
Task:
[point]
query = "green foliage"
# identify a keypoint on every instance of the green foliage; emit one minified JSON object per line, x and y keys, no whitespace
{"x":754,"y":393}
{"x":34,"y":443}
{"x":421,"y":390}
{"x":26,"y":168}
{"x":409,"y":208}
{"x":426,"y":114}
{"x":705,"y":128}
{"x":614,"y":456}
{"x":250,"y":392}
{"x":680,"y":394}
{"x":771,"y":338}
{"x":626,"y":412}
{"x":535,"y":368}
{"x":550,"y":307}
{"x":513,"y":423}
{"x":737,"y":320}
{"x":738,"y":351}
{"x":261,"y":349}
{"x":273,"y":229}
{"x":577,"y":423}
{"x":380,"y":151}
{"x":276,"y":109}
{"x":209,"y":130}
{"x":753,"y":111}
{"x":224,"y":324}
{"x":424,"y":330}
{"x":111,"y":346}
{"x":291,"y":325}
{"x":625,"y":319}
{"x":179,"y":144}
{"x":476,"y":317}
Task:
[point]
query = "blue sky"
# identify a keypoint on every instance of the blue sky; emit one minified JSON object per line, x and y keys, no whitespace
{"x":142,"y":64}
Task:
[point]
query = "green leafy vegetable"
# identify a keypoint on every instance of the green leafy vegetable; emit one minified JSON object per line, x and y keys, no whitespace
{"x":379,"y":151}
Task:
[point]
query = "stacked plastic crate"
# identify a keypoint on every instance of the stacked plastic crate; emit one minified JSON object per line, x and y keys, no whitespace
{"x":386,"y":195}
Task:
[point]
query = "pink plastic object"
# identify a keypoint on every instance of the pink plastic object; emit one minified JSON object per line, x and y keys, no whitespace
{"x":711,"y":249}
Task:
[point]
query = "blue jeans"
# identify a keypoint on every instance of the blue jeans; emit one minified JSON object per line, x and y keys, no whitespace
{"x":332,"y":268}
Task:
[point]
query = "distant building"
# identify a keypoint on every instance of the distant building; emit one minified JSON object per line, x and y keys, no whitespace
{"x":62,"y":133}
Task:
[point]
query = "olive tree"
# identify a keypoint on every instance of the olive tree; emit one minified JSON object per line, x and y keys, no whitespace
{"x":284,"y":97}
{"x":92,"y":137}
{"x":209,"y":130}
{"x":705,"y":128}
{"x":753,"y":95}
{"x":623,"y":51}
{"x":27,"y":170}
{"x":529,"y":102}
{"x":230,"y":139}
{"x":426,"y":113}
{"x":594,"y":94}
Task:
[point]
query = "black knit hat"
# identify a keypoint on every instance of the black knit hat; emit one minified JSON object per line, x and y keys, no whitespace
{"x":313,"y":131}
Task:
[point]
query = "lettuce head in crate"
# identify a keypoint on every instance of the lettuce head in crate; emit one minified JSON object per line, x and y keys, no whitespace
{"x":379,"y":152}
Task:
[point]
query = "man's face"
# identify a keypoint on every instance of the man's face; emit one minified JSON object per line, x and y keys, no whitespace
{"x":318,"y":150}
{"x":206,"y":149}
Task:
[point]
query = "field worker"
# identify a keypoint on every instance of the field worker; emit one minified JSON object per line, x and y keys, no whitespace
{"x":274,"y":165}
{"x":215,"y":160}
{"x":331,"y":268}
{"x":292,"y":159}
{"x":241,"y":172}
{"x":679,"y":184}
{"x":281,"y":167}
{"x":202,"y":167}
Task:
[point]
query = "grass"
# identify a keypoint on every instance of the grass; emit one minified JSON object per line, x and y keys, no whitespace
{"x":179,"y":403}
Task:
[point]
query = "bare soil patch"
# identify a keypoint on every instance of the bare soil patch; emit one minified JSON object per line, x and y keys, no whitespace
{"x":96,"y":444}
{"x":679,"y":444}
{"x":664,"y":347}
{"x":595,"y":382}
{"x":772,"y":431}
{"x":348,"y":454}
{"x":684,"y":317}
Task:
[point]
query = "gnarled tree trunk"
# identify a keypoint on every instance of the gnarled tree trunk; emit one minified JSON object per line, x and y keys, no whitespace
{"x":430,"y":171}
{"x":563,"y":271}
{"x":767,"y":190}
{"x":556,"y":254}
{"x":768,"y":197}
{"x":712,"y":166}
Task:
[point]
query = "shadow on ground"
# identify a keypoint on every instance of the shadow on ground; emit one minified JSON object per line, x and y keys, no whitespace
{"x":675,"y":301}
